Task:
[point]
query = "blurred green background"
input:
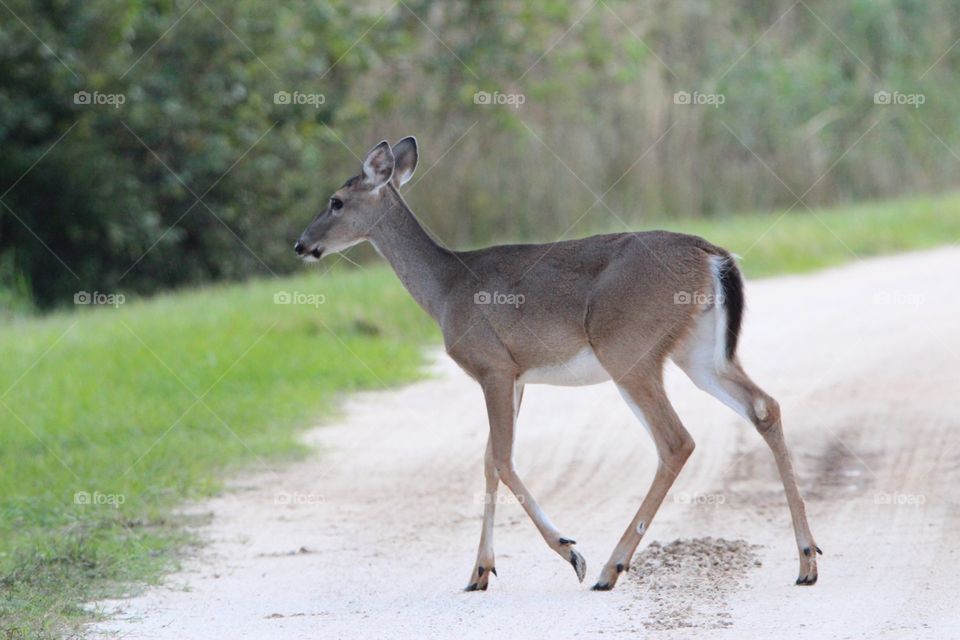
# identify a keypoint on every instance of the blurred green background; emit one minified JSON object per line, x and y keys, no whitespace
{"x":111,"y":202}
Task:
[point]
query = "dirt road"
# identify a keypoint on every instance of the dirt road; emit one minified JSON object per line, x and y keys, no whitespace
{"x":376,"y":534}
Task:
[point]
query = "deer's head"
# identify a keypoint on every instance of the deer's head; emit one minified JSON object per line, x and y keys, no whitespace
{"x":355,"y":208}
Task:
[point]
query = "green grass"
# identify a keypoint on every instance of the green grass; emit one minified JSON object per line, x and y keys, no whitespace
{"x":801,"y":241}
{"x":105,"y":400}
{"x":108,"y":403}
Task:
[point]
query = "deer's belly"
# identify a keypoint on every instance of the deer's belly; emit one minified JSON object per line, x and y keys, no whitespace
{"x":582,"y":369}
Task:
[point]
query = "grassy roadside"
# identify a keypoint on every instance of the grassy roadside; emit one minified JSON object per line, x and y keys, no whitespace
{"x":801,"y":241}
{"x":102,"y":432}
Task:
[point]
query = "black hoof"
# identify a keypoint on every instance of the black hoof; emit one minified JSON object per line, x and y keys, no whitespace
{"x":480,"y":571}
{"x":579,"y":564}
{"x":601,"y":586}
{"x":819,"y":551}
{"x":567,"y":541}
{"x":807,"y":581}
{"x":476,"y":586}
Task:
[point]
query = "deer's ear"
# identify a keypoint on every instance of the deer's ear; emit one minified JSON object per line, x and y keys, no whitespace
{"x":406,"y":157}
{"x":378,"y":165}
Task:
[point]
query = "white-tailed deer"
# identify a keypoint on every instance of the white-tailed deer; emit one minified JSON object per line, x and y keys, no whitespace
{"x":609,"y":307}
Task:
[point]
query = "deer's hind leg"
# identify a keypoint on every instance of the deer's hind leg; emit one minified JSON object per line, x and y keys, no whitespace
{"x":645,"y":395}
{"x":724,"y":378}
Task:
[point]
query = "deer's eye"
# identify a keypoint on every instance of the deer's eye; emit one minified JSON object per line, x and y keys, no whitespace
{"x":336,"y":204}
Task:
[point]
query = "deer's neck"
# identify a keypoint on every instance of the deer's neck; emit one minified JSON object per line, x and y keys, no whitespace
{"x":424,"y":267}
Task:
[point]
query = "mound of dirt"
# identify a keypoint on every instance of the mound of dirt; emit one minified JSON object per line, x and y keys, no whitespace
{"x":688,"y":581}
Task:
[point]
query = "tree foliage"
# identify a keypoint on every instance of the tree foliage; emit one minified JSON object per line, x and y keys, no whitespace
{"x":201,"y":174}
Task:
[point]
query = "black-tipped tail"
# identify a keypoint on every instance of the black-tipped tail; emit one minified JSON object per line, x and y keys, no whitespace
{"x":731,"y":287}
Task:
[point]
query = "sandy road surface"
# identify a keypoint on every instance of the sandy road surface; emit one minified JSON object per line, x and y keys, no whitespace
{"x":375,"y":535}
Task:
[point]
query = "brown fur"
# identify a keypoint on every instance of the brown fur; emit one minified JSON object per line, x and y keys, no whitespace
{"x":614,"y":294}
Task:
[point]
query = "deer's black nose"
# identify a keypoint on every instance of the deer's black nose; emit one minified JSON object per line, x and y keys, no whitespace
{"x":298,"y":248}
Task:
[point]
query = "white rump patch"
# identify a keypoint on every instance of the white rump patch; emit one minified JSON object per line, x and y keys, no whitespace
{"x":702,"y":357}
{"x":580,"y":370}
{"x":719,"y":314}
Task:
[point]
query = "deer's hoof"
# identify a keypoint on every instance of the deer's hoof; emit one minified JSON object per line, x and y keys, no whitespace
{"x":808,"y":566}
{"x":608,"y":577}
{"x":579,"y":564}
{"x":480,"y":578}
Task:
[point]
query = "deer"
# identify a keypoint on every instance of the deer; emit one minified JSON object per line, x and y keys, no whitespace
{"x":611,"y":307}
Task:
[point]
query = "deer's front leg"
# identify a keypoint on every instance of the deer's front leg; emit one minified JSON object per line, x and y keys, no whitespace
{"x":502,"y":398}
{"x":480,"y":575}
